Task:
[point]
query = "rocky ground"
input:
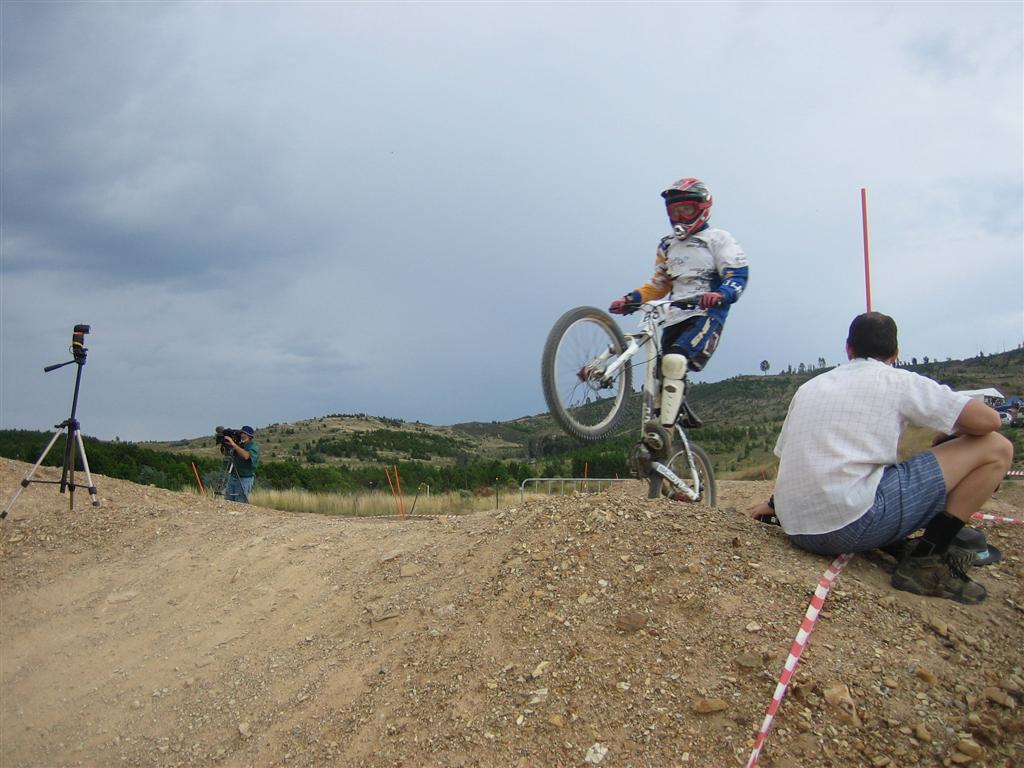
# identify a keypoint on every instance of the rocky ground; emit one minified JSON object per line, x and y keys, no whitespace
{"x":166,"y":629}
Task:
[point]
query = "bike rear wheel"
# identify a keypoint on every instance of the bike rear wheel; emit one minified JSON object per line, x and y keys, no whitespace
{"x":581,"y":399}
{"x":707,"y":491}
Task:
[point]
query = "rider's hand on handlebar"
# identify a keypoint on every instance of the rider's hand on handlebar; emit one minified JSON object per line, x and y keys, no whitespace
{"x":709,"y":300}
{"x":623,"y":306}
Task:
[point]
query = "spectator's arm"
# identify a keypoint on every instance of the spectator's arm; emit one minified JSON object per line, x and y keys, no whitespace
{"x":976,"y":419}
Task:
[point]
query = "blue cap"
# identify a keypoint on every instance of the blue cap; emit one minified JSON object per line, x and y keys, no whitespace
{"x":249,"y":431}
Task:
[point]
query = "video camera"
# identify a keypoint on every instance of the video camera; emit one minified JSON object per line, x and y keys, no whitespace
{"x":78,"y":348}
{"x":221,"y":432}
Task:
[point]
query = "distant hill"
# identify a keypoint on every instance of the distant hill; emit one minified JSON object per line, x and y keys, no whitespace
{"x":355,"y":439}
{"x":742,"y":417}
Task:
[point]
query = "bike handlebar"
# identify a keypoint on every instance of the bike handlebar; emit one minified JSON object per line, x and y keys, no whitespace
{"x":690,"y":303}
{"x":693,"y":301}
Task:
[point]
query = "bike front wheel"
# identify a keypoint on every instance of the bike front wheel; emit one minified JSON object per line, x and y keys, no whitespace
{"x":582,"y":399}
{"x":679,"y":463}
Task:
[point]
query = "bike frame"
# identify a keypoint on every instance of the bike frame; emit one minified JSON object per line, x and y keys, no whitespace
{"x":648,"y":337}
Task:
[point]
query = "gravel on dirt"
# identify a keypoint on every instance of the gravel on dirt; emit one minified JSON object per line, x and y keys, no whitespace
{"x":168,"y":629}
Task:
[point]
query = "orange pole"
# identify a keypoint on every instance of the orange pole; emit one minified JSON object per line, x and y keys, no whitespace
{"x":401,"y":501}
{"x":387,"y":472}
{"x":196,"y":472}
{"x":867,"y":257}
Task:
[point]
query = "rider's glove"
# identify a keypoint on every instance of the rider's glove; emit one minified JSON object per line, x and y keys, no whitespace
{"x":709,"y":300}
{"x":627,"y":305}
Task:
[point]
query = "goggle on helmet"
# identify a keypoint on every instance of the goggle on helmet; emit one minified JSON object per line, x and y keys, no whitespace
{"x":688,"y":202}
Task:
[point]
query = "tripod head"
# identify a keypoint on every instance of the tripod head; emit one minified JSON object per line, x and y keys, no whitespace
{"x":78,"y":348}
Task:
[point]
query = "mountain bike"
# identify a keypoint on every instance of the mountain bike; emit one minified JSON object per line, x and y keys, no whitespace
{"x":587,"y":373}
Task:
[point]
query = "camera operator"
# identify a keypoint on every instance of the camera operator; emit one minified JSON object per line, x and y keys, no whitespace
{"x":244,"y":461}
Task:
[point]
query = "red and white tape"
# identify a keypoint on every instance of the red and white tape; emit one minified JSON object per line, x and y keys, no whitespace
{"x":397,"y":516}
{"x":807,"y":626}
{"x":997,"y":518}
{"x":799,"y":643}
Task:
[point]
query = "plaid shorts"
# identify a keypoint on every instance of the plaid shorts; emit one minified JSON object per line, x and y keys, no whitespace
{"x":909,"y":495}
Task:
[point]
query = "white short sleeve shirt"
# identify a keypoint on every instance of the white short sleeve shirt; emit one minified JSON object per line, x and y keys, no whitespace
{"x":842,"y":431}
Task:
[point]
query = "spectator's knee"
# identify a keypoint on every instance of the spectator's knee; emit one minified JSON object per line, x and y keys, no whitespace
{"x":1003,"y":450}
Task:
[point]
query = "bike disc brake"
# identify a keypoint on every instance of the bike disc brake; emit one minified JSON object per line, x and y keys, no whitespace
{"x":658,"y":440}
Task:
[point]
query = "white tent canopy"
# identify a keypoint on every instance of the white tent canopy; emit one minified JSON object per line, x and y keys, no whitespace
{"x":983,"y":395}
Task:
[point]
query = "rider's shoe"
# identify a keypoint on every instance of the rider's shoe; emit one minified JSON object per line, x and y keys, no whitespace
{"x":640,"y":461}
{"x":688,"y":418}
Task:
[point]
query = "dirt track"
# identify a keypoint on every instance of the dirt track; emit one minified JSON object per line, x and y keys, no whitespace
{"x":165,"y":629}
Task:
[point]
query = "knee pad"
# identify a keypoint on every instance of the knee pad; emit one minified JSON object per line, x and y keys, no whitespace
{"x":673,"y":366}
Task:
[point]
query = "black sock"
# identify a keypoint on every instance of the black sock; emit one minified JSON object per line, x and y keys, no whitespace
{"x":938,"y":535}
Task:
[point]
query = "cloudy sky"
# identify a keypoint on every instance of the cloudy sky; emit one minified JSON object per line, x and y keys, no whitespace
{"x":274,"y":211}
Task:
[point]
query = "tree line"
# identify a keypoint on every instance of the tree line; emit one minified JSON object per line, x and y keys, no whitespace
{"x":173,"y":471}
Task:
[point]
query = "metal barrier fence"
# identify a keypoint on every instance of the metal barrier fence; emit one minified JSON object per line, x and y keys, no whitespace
{"x":573,"y":484}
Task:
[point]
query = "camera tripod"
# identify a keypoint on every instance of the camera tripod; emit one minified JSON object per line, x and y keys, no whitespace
{"x":222,"y":491}
{"x":73,"y":446}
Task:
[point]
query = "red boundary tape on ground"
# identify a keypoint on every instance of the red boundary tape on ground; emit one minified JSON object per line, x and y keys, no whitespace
{"x":997,"y":518}
{"x":807,"y":626}
{"x":799,"y":643}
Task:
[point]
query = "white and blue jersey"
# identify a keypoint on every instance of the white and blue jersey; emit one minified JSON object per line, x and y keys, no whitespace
{"x":708,"y":261}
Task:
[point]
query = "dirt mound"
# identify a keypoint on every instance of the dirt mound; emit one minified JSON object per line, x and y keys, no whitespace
{"x":165,"y":629}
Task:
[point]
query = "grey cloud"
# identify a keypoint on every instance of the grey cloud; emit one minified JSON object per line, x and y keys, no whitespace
{"x":383,"y":208}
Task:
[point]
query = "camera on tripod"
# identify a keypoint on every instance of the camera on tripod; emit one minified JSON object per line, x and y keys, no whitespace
{"x":78,"y":348}
{"x":221,"y":432}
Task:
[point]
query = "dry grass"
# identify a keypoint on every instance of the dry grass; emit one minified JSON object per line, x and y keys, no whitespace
{"x":377,"y":504}
{"x":914,"y":441}
{"x":766,"y":471}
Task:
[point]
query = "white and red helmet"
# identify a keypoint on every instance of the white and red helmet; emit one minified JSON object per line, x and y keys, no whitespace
{"x":688,"y":202}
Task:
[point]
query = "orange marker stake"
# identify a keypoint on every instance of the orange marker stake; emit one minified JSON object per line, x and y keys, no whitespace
{"x":867,"y":257}
{"x":387,"y":472}
{"x":401,"y":500}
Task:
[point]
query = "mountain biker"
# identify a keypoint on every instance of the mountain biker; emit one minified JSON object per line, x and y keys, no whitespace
{"x":696,"y":260}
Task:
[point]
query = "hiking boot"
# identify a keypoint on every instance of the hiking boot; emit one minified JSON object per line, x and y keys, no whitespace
{"x":941,"y":575}
{"x":898,"y":549}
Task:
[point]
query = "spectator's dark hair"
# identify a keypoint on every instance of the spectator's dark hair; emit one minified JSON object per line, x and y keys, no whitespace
{"x":873,"y":335}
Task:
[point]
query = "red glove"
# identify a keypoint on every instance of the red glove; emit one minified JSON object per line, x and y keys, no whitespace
{"x":709,"y":300}
{"x":623,"y":306}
